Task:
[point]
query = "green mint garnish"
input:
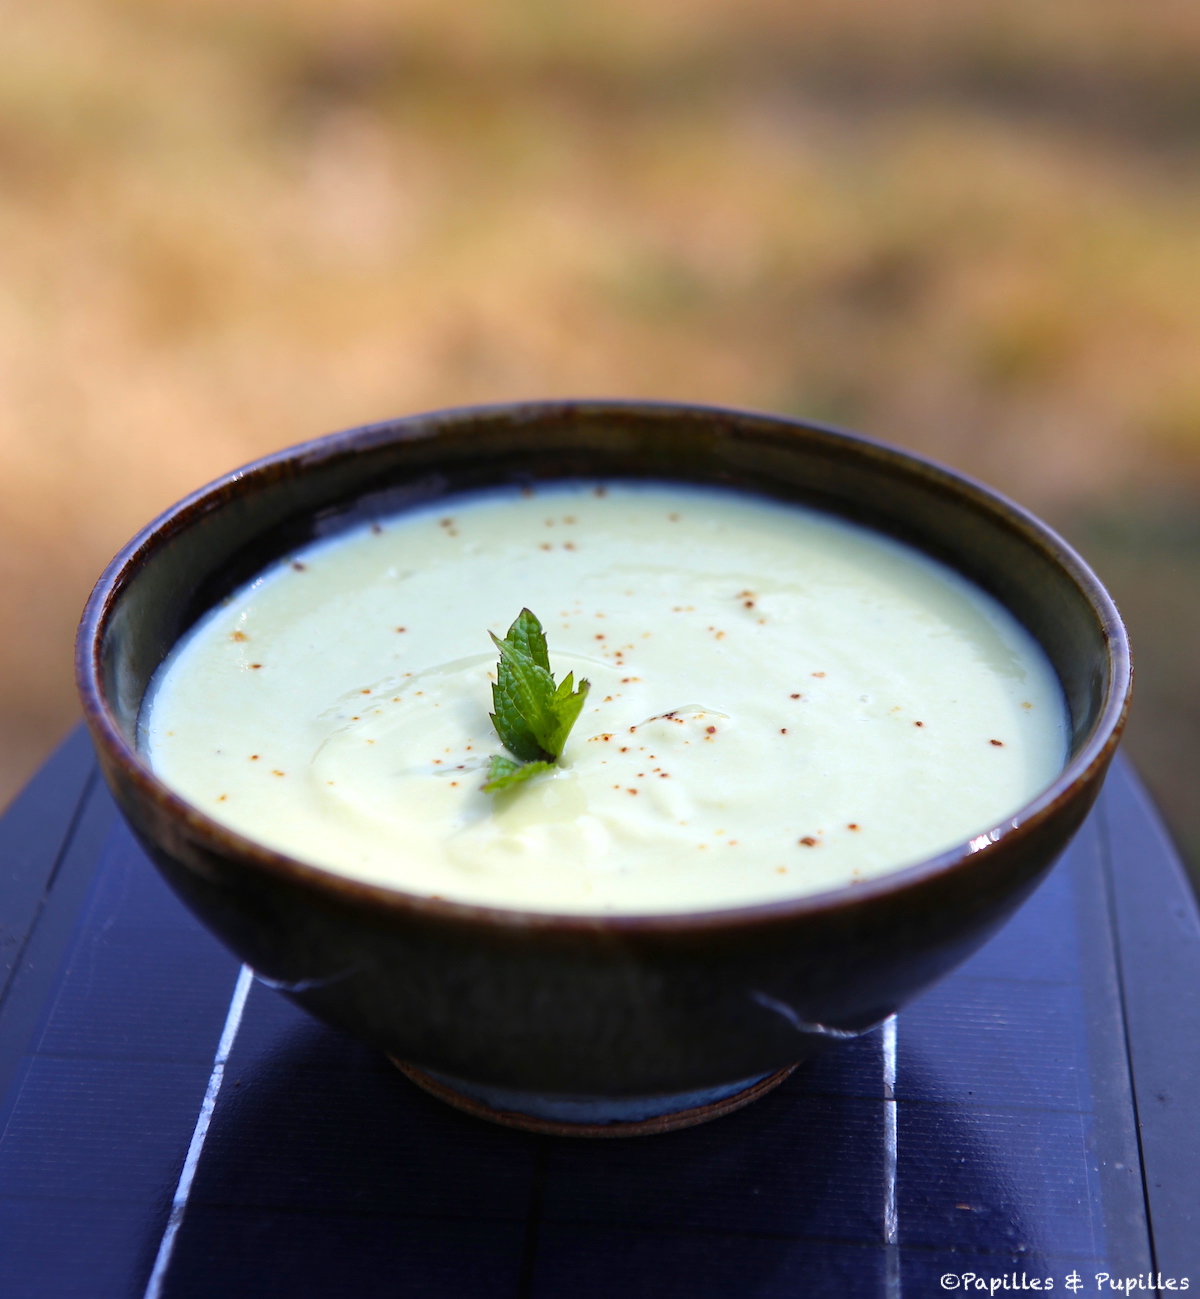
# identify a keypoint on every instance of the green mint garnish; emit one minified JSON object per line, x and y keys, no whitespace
{"x":504,"y":773}
{"x":533,"y":716}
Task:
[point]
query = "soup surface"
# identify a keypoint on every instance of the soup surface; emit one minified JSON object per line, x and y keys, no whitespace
{"x":781,"y":702}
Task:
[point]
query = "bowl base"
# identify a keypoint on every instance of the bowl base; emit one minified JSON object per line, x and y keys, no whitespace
{"x":593,"y":1116}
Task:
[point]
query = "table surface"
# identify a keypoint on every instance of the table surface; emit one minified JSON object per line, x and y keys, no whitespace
{"x":169,"y":1127}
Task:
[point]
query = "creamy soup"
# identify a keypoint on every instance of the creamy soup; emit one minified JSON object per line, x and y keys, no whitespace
{"x":781,"y":703}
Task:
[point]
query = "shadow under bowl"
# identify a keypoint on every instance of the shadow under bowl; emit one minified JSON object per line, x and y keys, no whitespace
{"x":595,"y":1006}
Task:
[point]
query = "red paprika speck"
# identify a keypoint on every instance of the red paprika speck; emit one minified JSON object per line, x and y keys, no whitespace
{"x":795,"y":696}
{"x":918,"y":723}
{"x":712,"y":730}
{"x":852,"y":826}
{"x":401,"y":629}
{"x":998,"y":743}
{"x":818,"y":674}
{"x":808,"y":841}
{"x":632,"y":791}
{"x":256,"y":665}
{"x":783,"y":730}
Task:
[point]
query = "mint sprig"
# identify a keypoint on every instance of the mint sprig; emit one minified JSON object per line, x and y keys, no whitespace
{"x":504,"y":773}
{"x":533,"y":715}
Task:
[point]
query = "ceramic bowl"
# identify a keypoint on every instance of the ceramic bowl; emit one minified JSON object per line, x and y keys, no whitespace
{"x":502,"y":1002}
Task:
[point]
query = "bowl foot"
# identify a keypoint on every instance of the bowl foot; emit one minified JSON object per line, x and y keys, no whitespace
{"x":593,"y":1116}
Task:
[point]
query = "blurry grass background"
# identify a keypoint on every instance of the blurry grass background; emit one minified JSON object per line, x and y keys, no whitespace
{"x":969,"y":228}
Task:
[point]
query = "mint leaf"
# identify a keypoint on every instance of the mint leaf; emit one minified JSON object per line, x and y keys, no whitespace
{"x":526,"y":636}
{"x":504,"y":773}
{"x":566,"y":705}
{"x":523,"y":698}
{"x":533,"y":716}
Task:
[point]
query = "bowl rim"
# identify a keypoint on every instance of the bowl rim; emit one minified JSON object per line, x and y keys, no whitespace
{"x":1080,"y":770}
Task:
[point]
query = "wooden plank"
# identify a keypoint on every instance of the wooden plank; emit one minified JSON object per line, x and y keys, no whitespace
{"x":1118,"y":1159}
{"x":33,"y":834}
{"x":35,"y":973}
{"x":1158,"y":951}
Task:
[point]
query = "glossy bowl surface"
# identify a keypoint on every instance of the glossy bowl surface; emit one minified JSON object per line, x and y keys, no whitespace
{"x":600,"y":1006}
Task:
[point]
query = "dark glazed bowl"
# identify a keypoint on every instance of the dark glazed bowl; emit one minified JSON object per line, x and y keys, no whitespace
{"x":604,"y":1006}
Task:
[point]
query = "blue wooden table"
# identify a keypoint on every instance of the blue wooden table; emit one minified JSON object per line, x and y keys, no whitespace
{"x":169,"y":1127}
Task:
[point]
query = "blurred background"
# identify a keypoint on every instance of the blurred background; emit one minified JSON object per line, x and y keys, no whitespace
{"x":969,"y":228}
